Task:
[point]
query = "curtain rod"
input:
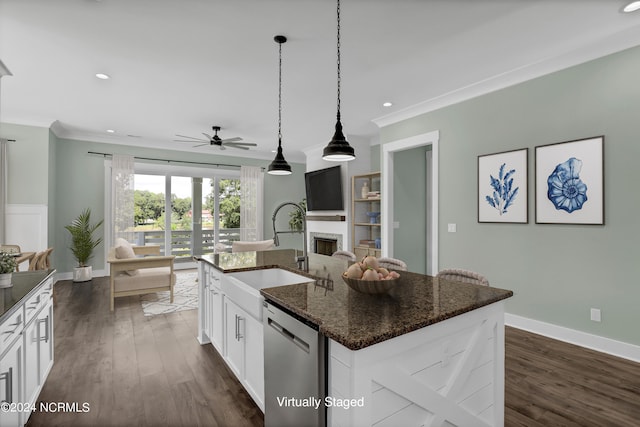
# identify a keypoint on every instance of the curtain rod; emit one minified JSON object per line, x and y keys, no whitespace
{"x":173,"y":161}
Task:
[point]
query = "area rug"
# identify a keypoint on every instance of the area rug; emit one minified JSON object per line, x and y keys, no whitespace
{"x":185,"y":296}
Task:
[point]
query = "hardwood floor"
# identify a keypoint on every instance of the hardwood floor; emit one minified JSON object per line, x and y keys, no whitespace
{"x":134,"y":370}
{"x":552,"y":383}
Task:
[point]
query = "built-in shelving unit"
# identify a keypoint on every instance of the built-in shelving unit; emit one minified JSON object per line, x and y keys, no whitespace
{"x":364,"y":232}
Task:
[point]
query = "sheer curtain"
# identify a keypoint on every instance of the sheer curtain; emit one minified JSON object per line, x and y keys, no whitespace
{"x":4,"y":71}
{"x":251,"y":204}
{"x":122,"y":174}
{"x":3,"y":187}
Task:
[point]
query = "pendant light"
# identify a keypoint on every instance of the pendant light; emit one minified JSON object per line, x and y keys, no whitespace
{"x":279,"y":166}
{"x":338,"y":149}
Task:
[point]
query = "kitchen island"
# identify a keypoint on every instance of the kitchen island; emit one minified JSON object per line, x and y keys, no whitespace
{"x":429,"y":352}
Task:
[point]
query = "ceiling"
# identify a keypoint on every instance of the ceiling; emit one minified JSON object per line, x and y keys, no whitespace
{"x":182,"y":66}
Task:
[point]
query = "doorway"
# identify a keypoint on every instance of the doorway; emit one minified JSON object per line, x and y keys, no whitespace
{"x":388,"y":221}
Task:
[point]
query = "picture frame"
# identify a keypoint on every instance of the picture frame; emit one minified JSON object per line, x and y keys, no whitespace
{"x":569,"y":182}
{"x":502,"y":187}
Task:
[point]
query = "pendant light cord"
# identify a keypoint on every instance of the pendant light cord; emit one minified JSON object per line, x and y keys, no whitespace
{"x":280,"y":94}
{"x":338,"y":62}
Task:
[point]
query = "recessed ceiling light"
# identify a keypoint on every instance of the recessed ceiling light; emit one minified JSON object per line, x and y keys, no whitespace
{"x":387,"y":104}
{"x":631,"y":7}
{"x":102,"y":76}
{"x":111,"y":131}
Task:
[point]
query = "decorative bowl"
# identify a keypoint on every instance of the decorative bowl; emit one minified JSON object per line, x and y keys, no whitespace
{"x":371,"y":287}
{"x":373,"y":217}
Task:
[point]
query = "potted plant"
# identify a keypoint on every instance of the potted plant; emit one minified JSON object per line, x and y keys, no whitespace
{"x":296,"y":219}
{"x":83,"y":243}
{"x":7,"y":267}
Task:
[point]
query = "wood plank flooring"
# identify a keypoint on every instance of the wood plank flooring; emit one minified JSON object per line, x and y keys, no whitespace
{"x":135,"y":370}
{"x":151,"y":371}
{"x":552,"y":383}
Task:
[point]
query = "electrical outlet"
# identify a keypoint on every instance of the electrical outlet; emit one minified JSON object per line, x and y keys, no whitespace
{"x":595,"y":315}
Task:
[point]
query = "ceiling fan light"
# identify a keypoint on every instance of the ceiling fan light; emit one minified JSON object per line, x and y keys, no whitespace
{"x":279,"y":165}
{"x":631,"y":7}
{"x":338,"y":149}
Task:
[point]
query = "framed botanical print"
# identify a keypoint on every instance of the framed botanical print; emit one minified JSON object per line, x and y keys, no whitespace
{"x":502,"y":187}
{"x":570,"y":182}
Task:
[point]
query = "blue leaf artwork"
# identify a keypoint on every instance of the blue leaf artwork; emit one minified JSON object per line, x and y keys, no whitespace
{"x":565,"y":188}
{"x":503,"y":194}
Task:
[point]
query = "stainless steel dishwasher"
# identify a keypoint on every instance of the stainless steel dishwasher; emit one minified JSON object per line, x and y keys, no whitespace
{"x":295,"y":374}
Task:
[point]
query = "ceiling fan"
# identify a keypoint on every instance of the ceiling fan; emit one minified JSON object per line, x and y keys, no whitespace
{"x":217,"y":141}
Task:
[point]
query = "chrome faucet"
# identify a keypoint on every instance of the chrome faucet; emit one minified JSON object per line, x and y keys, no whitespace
{"x":302,"y":261}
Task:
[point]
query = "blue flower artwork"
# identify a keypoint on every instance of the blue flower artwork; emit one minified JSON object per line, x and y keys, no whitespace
{"x":566,"y":190}
{"x":503,"y":194}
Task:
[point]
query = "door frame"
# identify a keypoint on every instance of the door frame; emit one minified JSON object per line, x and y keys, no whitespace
{"x":387,"y":182}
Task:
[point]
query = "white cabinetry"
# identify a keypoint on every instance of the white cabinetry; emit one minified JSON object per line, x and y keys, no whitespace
{"x":244,"y":346}
{"x":235,"y":334}
{"x":234,"y":337}
{"x":11,"y":366}
{"x":26,"y":353}
{"x":216,"y":310}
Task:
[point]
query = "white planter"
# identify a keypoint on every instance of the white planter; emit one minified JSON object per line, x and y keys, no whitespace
{"x":82,"y":274}
{"x":5,"y":280}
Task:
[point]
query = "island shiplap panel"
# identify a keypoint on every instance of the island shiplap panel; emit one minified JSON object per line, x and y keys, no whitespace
{"x":447,"y":374}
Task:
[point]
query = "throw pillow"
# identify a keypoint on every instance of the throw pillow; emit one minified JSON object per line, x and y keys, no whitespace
{"x":124,"y":250}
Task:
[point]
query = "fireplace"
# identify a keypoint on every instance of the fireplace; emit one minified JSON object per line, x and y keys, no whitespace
{"x":325,"y":243}
{"x":325,"y":246}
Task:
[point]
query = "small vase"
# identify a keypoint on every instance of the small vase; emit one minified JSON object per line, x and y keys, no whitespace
{"x":5,"y":280}
{"x":365,"y":191}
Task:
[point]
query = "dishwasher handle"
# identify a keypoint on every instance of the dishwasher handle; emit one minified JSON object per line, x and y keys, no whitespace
{"x":288,"y":335}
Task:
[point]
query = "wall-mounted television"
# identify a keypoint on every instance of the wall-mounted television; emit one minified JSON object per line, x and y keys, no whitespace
{"x":324,"y":189}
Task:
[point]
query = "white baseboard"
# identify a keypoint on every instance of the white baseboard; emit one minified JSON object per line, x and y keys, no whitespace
{"x":583,"y":339}
{"x":69,"y":275}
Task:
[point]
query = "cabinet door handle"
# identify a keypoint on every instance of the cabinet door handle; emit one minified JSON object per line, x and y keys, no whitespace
{"x":46,"y":329}
{"x":236,"y":327}
{"x":240,"y":336}
{"x":7,"y":377}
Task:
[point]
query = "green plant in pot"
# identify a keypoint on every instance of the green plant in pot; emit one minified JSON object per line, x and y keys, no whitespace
{"x":7,"y":267}
{"x":296,"y":220}
{"x":83,"y":243}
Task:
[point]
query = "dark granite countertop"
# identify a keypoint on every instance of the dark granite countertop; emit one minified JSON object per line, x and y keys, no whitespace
{"x":23,"y":283}
{"x":358,"y":320}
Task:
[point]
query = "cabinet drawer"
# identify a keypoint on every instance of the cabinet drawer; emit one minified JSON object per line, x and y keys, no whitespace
{"x":214,"y":277}
{"x":11,"y":328}
{"x":38,"y":300}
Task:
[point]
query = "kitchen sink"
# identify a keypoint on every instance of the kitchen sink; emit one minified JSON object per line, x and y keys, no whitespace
{"x":243,"y":287}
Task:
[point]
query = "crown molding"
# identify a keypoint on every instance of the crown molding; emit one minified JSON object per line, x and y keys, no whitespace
{"x":4,"y":71}
{"x":587,"y":52}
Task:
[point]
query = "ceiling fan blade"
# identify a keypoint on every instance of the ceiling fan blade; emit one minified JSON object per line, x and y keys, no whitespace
{"x":208,"y":136}
{"x":248,"y":144}
{"x":237,"y":138}
{"x":236,"y":146}
{"x":200,"y":145}
{"x":190,"y":137}
{"x":185,"y":140}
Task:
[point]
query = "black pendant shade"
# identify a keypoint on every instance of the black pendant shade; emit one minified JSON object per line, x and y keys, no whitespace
{"x":279,"y":165}
{"x":338,"y":149}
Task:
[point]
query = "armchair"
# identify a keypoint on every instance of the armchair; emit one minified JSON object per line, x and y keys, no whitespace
{"x":134,"y":275}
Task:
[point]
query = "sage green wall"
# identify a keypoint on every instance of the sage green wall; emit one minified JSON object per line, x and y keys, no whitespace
{"x":557,"y":272}
{"x":28,"y":164}
{"x":80,"y":184}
